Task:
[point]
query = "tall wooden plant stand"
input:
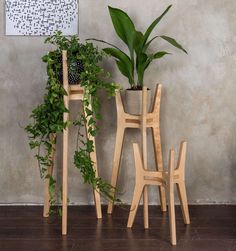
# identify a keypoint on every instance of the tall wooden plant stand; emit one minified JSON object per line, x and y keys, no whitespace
{"x":75,"y":92}
{"x":125,"y":120}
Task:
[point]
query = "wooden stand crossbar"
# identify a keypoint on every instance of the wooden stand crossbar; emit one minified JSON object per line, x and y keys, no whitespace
{"x":75,"y":92}
{"x":125,"y":120}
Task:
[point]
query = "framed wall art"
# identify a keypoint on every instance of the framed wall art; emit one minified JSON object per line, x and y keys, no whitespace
{"x":41,"y":17}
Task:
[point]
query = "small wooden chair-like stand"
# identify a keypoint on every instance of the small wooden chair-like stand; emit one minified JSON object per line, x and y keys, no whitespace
{"x":159,"y":178}
{"x":151,"y":120}
{"x":75,"y":92}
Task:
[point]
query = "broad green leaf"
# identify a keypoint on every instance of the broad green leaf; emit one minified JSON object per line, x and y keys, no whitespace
{"x":124,"y":70}
{"x":174,"y":43}
{"x":141,"y":62}
{"x":124,"y":27}
{"x":144,"y":60}
{"x":125,"y":62}
{"x":138,"y":42}
{"x":153,"y":25}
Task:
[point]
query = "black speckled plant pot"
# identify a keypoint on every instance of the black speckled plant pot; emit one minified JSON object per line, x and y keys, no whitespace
{"x":74,"y":71}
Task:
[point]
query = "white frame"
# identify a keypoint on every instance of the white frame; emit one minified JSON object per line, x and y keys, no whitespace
{"x":11,"y":31}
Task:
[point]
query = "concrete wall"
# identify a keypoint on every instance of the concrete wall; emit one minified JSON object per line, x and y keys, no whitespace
{"x":198,"y":101}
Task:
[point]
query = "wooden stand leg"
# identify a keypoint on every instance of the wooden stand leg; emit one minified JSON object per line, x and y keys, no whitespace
{"x":96,"y":194}
{"x":135,"y":202}
{"x":65,"y":180}
{"x":171,"y":204}
{"x":159,"y":164}
{"x":144,"y":154}
{"x":145,"y":208}
{"x":46,"y":186}
{"x":46,"y":195}
{"x":180,"y":170}
{"x":46,"y":192}
{"x":183,"y":200}
{"x":139,"y":185}
{"x":116,"y":162}
{"x":97,"y":197}
{"x":65,"y":146}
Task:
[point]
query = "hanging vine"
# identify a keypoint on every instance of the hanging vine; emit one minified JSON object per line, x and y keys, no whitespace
{"x":47,"y":118}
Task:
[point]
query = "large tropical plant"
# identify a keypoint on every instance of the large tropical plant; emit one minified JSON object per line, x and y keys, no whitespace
{"x":134,"y":64}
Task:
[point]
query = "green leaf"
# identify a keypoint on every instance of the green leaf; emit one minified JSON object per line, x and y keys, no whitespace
{"x":125,"y":64}
{"x":47,"y":118}
{"x":153,"y":25}
{"x":148,"y":43}
{"x":138,"y":42}
{"x":124,"y":70}
{"x":160,"y":54}
{"x":124,"y":27}
{"x":88,"y":112}
{"x":102,"y":41}
{"x":91,"y":121}
{"x":141,"y":63}
{"x":174,"y":43}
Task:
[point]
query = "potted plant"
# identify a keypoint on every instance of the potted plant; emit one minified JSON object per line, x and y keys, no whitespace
{"x":134,"y":64}
{"x":47,"y":118}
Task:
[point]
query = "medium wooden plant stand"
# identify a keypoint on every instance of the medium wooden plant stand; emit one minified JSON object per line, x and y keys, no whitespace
{"x":75,"y":92}
{"x":152,"y":120}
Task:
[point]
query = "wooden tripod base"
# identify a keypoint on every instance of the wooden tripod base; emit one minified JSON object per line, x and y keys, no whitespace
{"x":125,"y":120}
{"x":74,"y":92}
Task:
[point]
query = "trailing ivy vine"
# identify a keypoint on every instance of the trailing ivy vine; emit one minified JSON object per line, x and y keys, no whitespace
{"x":47,"y":118}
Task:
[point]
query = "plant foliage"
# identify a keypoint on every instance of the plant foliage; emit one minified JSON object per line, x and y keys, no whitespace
{"x":134,"y":64}
{"x":47,"y":118}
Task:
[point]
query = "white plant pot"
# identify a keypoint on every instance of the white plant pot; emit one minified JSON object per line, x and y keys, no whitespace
{"x":133,"y":101}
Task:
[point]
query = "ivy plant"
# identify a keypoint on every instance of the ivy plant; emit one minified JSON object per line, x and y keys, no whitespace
{"x":47,"y":118}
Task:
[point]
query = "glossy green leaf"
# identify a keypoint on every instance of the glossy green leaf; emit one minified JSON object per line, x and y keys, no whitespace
{"x":124,"y":70}
{"x":153,"y":25}
{"x":124,"y":27}
{"x":141,"y":63}
{"x":124,"y":63}
{"x":173,"y":42}
{"x":138,"y":42}
{"x":160,"y":54}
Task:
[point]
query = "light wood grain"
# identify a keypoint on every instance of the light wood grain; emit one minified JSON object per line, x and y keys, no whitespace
{"x":65,"y":146}
{"x":75,"y":92}
{"x":125,"y":120}
{"x":46,"y":181}
{"x":164,"y":179}
{"x":171,"y":197}
{"x":157,"y":144}
{"x":144,"y":153}
{"x":93,"y":156}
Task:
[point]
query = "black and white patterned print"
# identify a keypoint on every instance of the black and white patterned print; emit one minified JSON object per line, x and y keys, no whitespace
{"x":41,"y":17}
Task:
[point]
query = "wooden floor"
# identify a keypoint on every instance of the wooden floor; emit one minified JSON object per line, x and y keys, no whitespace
{"x":23,"y":228}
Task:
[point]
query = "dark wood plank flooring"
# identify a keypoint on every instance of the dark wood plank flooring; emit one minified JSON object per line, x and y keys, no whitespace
{"x":212,"y":228}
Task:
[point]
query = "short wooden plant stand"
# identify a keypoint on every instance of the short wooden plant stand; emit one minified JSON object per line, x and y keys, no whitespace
{"x":164,"y":179}
{"x":75,"y":92}
{"x":152,"y":120}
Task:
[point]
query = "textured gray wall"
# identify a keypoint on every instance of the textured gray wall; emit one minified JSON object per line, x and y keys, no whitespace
{"x":198,"y":102}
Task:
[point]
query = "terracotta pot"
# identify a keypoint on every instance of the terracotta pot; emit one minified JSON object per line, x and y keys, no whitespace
{"x":133,"y":101}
